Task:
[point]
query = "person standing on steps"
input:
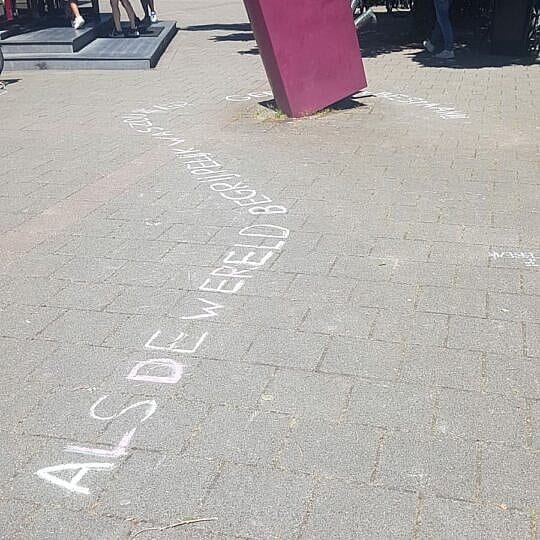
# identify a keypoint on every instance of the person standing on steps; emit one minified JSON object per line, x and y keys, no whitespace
{"x":72,"y":9}
{"x":117,"y":30}
{"x":149,"y":10}
{"x":442,"y":31}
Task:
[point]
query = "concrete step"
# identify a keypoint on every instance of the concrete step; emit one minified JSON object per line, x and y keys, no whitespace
{"x":102,"y":53}
{"x":58,"y":39}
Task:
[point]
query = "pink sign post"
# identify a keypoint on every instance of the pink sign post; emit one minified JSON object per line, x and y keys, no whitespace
{"x":310,"y":51}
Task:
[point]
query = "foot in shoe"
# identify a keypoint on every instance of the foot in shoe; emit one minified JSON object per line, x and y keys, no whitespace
{"x":445,"y":54}
{"x":428,"y":46}
{"x":116,"y":33}
{"x":78,"y":22}
{"x":132,"y":33}
{"x":153,"y":17}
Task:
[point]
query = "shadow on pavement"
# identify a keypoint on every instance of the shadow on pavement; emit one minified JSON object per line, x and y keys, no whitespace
{"x":239,"y":32}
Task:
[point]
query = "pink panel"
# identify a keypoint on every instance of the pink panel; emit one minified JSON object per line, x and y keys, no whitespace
{"x":310,"y":51}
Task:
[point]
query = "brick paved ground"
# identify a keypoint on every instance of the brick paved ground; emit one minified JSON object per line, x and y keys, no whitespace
{"x":376,"y":378}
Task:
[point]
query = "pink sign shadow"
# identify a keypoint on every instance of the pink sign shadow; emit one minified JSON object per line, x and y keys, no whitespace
{"x":310,"y":51}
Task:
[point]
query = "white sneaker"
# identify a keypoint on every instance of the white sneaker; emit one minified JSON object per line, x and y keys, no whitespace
{"x":153,"y":17}
{"x":428,"y":46}
{"x":445,"y":55}
{"x":78,"y":22}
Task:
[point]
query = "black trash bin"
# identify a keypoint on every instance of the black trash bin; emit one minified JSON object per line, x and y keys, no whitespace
{"x":510,"y":28}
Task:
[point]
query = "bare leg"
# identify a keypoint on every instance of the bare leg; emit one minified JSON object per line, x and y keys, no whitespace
{"x":116,"y":15}
{"x":151,"y":4}
{"x":130,"y":12}
{"x":74,"y":9}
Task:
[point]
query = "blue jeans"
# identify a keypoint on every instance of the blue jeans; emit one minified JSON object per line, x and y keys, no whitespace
{"x":443,"y":27}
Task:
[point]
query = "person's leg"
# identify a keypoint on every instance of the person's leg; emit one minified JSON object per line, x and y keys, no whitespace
{"x":145,"y":4}
{"x":442,"y":10}
{"x":130,"y":13}
{"x":74,"y":8}
{"x":116,"y":15}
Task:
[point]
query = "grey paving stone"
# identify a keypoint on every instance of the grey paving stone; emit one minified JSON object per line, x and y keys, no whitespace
{"x":146,"y":301}
{"x":241,"y":436}
{"x":364,"y":358}
{"x":422,"y":273}
{"x":143,"y":274}
{"x":318,"y":263}
{"x":90,"y":296}
{"x":518,"y":376}
{"x":384,"y":295}
{"x":167,"y":430}
{"x":91,"y":327}
{"x":442,"y":367}
{"x":90,"y":246}
{"x":489,"y":279}
{"x":26,"y":321}
{"x":328,"y":449}
{"x":480,"y":417}
{"x":350,"y":512}
{"x":157,"y":487}
{"x":306,"y":394}
{"x":14,"y":515}
{"x":459,"y":254}
{"x":226,"y":383}
{"x":411,"y":250}
{"x":432,"y":466}
{"x":452,"y":301}
{"x":63,"y":525}
{"x":194,"y":254}
{"x":340,"y":319}
{"x":416,"y":328}
{"x":287,"y":349}
{"x":535,"y":423}
{"x":22,"y":357}
{"x":532,"y":339}
{"x":88,"y":270}
{"x":498,"y":337}
{"x":510,"y":476}
{"x":531,"y":282}
{"x":353,"y":244}
{"x":514,"y":307}
{"x":30,"y":291}
{"x":395,"y":406}
{"x":457,"y":520}
{"x":240,"y":499}
{"x":364,"y":268}
{"x":314,"y":288}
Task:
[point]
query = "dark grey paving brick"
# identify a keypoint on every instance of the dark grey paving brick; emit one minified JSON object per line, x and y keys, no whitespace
{"x":90,"y":327}
{"x":91,"y":246}
{"x":143,"y":274}
{"x":510,"y":476}
{"x":364,"y":268}
{"x":458,"y":254}
{"x":31,"y":291}
{"x":158,"y":487}
{"x":146,"y":301}
{"x":432,"y":466}
{"x":14,"y":517}
{"x":306,"y":394}
{"x":287,"y":349}
{"x":328,"y":449}
{"x":480,"y":417}
{"x":452,"y":301}
{"x":315,"y":289}
{"x":395,"y":406}
{"x":514,"y":307}
{"x":63,"y":524}
{"x":489,"y":279}
{"x":518,"y":376}
{"x":485,"y":335}
{"x":351,"y":512}
{"x":91,"y":296}
{"x":458,"y":520}
{"x":416,"y":328}
{"x":422,"y":273}
{"x":240,"y":501}
{"x":340,"y":319}
{"x":88,"y":270}
{"x":249,"y":437}
{"x":364,"y":358}
{"x":26,"y":321}
{"x":384,"y":295}
{"x":532,"y":339}
{"x":226,"y":383}
{"x":432,"y":366}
